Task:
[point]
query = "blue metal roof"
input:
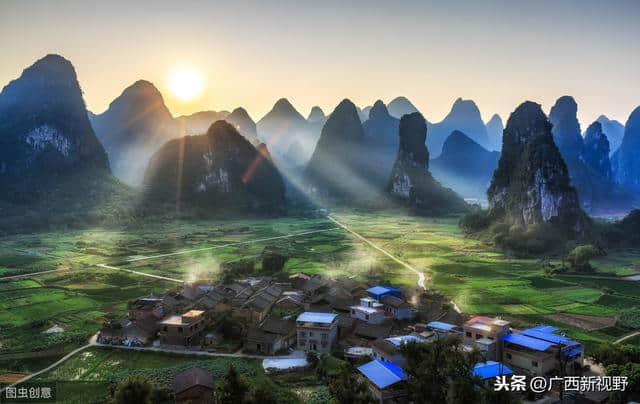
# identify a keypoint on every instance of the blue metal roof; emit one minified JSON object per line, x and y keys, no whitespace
{"x":383,"y":290}
{"x":544,"y":328}
{"x":574,"y":352}
{"x":397,"y":341}
{"x":527,"y":342}
{"x":489,"y":369}
{"x":550,"y":337}
{"x":311,"y":317}
{"x":382,"y":373}
{"x":441,"y":326}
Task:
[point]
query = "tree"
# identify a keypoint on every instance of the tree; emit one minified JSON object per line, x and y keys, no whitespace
{"x":490,"y":396}
{"x":232,"y":388}
{"x":579,"y":258}
{"x":347,"y":388}
{"x":462,"y":391}
{"x":609,"y":354}
{"x":272,"y":261}
{"x":632,"y":372}
{"x":312,"y":358}
{"x":134,"y":391}
{"x":262,"y":393}
{"x":441,"y":371}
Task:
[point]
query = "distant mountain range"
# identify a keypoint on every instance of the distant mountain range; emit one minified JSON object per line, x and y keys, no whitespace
{"x":614,"y":131}
{"x":495,"y":128}
{"x":465,"y":117}
{"x":588,"y":167}
{"x":465,"y":166}
{"x":400,"y":106}
{"x":138,"y":122}
{"x":47,"y":138}
{"x":626,"y":164}
{"x":289,"y":136}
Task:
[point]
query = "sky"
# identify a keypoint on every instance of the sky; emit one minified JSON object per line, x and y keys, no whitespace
{"x":250,"y":53}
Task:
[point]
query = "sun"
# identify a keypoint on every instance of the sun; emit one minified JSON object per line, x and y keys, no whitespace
{"x":185,"y":83}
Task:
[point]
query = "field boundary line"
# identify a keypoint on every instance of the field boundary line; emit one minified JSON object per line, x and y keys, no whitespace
{"x":149,"y":257}
{"x":29,"y":275}
{"x":164,"y":278}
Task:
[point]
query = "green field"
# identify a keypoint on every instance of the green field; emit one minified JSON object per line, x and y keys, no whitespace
{"x":76,"y":301}
{"x":475,"y":277}
{"x":88,"y":376}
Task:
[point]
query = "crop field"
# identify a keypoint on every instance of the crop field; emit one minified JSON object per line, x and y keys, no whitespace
{"x":76,"y":301}
{"x":477,"y":279}
{"x":86,"y":377}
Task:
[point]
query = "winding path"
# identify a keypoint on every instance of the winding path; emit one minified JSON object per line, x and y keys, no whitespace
{"x":626,"y":337}
{"x":50,"y":367}
{"x":420,"y":274}
{"x":94,"y":343}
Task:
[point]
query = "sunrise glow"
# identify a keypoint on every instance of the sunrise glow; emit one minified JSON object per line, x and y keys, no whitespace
{"x":185,"y":83}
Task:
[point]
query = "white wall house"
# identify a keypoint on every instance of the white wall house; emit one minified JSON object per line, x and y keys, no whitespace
{"x":369,"y":311}
{"x":316,"y":331}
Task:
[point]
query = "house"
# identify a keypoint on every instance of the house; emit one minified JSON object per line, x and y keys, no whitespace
{"x":210,"y":303}
{"x":346,"y":325}
{"x":369,"y":311}
{"x":271,"y":336}
{"x":372,"y":331}
{"x":194,"y":385}
{"x":389,"y":349}
{"x":443,"y":330}
{"x":539,"y":350}
{"x":386,"y":380}
{"x":288,"y":303}
{"x":316,"y":331}
{"x":485,"y":333}
{"x":175,"y":302}
{"x":257,"y":307}
{"x":299,"y":279}
{"x":397,"y":308}
{"x":183,"y":330}
{"x":140,"y":332}
{"x":192,"y":291}
{"x":314,"y":286}
{"x":377,"y":292}
{"x":242,"y":296}
{"x":146,"y":307}
{"x":488,"y":371}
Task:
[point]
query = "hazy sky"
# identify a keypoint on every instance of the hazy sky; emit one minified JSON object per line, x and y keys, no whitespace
{"x":251,"y":53}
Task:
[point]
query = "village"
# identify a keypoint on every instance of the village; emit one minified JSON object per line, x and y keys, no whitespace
{"x":286,"y":321}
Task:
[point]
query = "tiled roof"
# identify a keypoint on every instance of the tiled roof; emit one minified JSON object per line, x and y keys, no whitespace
{"x":194,"y":376}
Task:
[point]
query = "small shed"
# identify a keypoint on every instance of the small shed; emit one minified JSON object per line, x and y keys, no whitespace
{"x":194,"y":385}
{"x":490,"y":369}
{"x":387,"y":381}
